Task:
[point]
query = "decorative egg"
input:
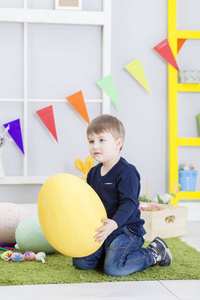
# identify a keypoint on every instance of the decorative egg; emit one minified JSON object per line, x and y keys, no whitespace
{"x":17,"y":257}
{"x":29,"y":236}
{"x":6,"y":255}
{"x":29,"y":255}
{"x":69,"y":212}
{"x":10,"y":216}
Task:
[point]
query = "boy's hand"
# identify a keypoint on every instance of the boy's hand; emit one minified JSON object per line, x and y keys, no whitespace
{"x":108,"y":227}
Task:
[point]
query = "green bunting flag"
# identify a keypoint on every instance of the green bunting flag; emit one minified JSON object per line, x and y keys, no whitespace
{"x":108,"y":86}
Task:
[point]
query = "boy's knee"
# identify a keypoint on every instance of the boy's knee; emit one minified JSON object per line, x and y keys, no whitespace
{"x":118,"y":269}
{"x":78,"y":263}
{"x":82,"y":264}
{"x":112,"y":270}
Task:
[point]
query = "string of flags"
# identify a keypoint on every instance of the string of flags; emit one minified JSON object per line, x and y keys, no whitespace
{"x":107,"y":84}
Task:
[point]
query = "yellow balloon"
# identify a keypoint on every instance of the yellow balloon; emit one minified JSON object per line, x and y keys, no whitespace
{"x":69,"y":212}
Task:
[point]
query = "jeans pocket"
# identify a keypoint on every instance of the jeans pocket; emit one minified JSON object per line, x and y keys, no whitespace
{"x":129,"y":232}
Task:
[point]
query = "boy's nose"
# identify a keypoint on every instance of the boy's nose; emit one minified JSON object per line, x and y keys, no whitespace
{"x":95,"y":145}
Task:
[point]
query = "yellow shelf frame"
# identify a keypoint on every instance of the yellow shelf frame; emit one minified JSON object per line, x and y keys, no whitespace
{"x":173,"y":88}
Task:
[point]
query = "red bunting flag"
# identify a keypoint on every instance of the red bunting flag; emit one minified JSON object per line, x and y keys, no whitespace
{"x":47,"y":117}
{"x":165,"y":51}
{"x":77,"y":101}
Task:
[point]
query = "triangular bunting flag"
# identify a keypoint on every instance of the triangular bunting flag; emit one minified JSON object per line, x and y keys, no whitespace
{"x":15,"y":133}
{"x":47,"y":117}
{"x":180,"y":43}
{"x":77,"y":101}
{"x":165,"y":51}
{"x":136,"y":70}
{"x":108,"y":86}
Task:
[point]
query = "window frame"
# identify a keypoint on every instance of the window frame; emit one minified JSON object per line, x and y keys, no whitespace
{"x":37,"y":16}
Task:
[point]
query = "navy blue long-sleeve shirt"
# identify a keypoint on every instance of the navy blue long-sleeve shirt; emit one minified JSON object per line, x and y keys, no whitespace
{"x":119,"y":191}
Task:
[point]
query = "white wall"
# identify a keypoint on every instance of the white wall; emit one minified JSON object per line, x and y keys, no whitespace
{"x":137,"y":26}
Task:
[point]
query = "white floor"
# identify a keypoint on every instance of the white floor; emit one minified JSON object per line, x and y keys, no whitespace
{"x":143,"y":290}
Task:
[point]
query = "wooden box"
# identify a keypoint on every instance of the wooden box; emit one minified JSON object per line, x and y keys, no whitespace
{"x":169,"y":222}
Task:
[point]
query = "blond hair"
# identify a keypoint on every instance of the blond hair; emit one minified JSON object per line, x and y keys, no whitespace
{"x":107,"y":123}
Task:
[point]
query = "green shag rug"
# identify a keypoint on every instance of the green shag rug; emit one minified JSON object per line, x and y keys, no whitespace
{"x":58,"y":269}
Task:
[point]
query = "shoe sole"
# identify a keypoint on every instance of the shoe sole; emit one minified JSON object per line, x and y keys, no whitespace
{"x":166,"y":248}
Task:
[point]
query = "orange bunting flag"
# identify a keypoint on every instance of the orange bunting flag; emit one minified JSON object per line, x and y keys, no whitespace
{"x":77,"y":101}
{"x":47,"y":117}
{"x":136,"y":70}
{"x":180,"y":43}
{"x":108,"y":86}
{"x":165,"y":51}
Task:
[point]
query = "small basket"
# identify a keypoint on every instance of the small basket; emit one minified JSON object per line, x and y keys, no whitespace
{"x":189,"y":77}
{"x":187,"y":179}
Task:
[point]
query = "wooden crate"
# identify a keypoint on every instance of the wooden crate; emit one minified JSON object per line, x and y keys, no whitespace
{"x":171,"y":221}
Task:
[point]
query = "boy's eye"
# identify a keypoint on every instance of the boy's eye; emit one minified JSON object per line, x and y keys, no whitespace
{"x":91,"y":142}
{"x":102,"y":140}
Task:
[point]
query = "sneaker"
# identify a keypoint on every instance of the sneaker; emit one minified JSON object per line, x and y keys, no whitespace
{"x":160,"y":252}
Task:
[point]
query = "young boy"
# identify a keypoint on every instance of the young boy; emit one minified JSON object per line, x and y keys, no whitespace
{"x":118,"y":185}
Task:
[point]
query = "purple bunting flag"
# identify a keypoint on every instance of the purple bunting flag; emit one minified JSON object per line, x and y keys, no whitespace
{"x":15,"y":133}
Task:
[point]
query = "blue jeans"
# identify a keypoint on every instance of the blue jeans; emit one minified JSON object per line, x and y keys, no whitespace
{"x":120,"y":255}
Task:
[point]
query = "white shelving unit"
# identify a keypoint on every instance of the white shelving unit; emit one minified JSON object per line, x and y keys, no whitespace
{"x":66,"y":17}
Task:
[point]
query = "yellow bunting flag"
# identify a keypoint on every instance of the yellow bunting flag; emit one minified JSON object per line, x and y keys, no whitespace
{"x":136,"y":70}
{"x":108,"y":86}
{"x":78,"y":103}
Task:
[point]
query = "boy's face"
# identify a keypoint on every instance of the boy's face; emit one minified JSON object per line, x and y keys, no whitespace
{"x":103,"y":147}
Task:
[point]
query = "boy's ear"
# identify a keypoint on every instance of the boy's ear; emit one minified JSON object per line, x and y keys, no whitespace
{"x":119,"y":143}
